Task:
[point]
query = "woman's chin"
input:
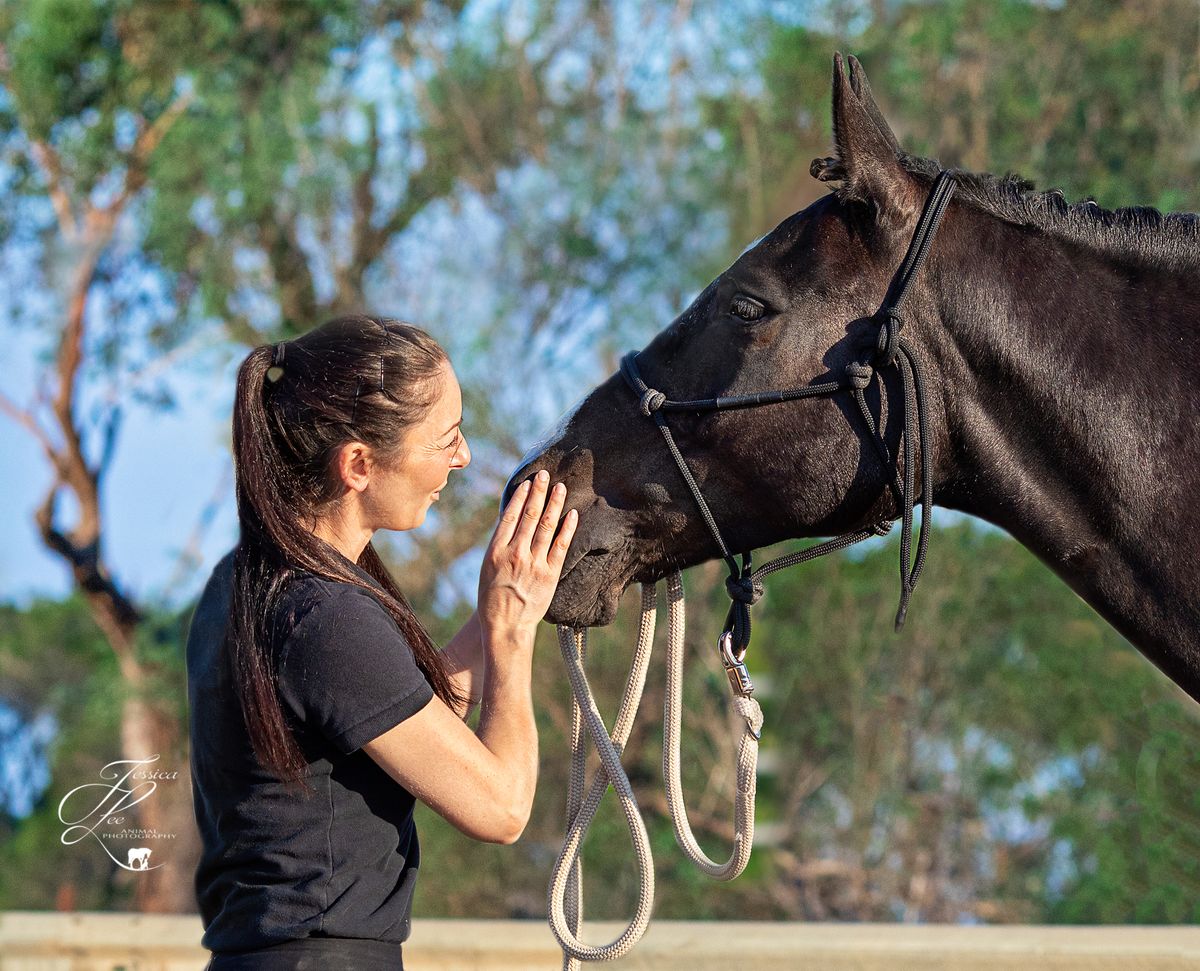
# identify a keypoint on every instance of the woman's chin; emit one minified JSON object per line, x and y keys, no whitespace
{"x":414,"y":519}
{"x":410,"y":522}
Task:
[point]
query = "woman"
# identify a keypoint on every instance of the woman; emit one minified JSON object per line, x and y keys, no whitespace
{"x":320,"y":708}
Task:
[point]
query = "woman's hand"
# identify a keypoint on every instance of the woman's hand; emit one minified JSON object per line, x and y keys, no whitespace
{"x":524,"y":559}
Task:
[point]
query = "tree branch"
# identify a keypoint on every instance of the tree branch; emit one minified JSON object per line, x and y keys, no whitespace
{"x":84,"y":559}
{"x":289,"y":265}
{"x":51,"y":165}
{"x":27,"y":421}
{"x":137,"y":163}
{"x":46,"y":158}
{"x":190,"y":556}
{"x":365,"y":244}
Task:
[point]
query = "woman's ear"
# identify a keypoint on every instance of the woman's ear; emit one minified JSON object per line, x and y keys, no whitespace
{"x":355,"y":463}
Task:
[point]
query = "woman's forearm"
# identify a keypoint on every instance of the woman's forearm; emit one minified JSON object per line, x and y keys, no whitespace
{"x":506,"y":721}
{"x":465,"y":660}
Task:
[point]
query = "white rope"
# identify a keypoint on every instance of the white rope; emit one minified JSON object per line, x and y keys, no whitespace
{"x":573,"y":893}
{"x":568,"y":868}
{"x":747,"y":756}
{"x":566,"y":881}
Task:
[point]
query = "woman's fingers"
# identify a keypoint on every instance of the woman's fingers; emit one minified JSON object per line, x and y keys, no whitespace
{"x":507,"y":525}
{"x":558,"y":551}
{"x":525,"y":559}
{"x":549,"y":521}
{"x":533,"y":510}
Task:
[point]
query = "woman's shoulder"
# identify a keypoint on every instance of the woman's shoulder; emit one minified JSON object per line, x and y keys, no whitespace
{"x":306,"y":589}
{"x":310,"y":602}
{"x":306,"y":601}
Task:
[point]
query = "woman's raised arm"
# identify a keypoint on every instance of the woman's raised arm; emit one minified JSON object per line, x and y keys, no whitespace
{"x":483,"y":782}
{"x":465,"y":662}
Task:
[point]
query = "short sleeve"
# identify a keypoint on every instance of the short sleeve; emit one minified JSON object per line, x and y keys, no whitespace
{"x":346,"y":670}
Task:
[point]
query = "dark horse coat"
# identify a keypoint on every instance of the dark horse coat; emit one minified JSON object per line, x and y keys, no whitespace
{"x":1061,"y":350}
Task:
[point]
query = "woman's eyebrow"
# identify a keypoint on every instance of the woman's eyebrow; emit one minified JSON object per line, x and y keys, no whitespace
{"x":451,"y":428}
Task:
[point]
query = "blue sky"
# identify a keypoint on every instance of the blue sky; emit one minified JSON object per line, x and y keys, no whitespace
{"x":166,"y":469}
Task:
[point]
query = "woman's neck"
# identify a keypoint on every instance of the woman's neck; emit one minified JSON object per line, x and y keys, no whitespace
{"x":348,"y":539}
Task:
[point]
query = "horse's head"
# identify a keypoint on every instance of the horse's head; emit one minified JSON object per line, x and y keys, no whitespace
{"x":791,"y":311}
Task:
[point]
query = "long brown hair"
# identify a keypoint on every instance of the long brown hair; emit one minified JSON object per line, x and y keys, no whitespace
{"x":354,"y":378}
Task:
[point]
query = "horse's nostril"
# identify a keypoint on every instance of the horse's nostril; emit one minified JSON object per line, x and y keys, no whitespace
{"x":578,"y":557}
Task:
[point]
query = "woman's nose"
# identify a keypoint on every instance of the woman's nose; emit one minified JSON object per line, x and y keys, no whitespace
{"x":463,"y":458}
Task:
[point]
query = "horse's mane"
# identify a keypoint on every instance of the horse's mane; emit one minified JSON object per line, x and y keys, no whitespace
{"x":1137,"y":234}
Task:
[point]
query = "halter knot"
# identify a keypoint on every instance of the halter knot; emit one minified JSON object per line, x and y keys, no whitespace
{"x":887,"y":345}
{"x":651,"y":401}
{"x":859,"y":375}
{"x":881,"y":528}
{"x":744,"y":590}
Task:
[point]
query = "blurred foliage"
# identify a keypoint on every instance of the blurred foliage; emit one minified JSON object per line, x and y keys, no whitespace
{"x":55,"y":666}
{"x":542,"y":191}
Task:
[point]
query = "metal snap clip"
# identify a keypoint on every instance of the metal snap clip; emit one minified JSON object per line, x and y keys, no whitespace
{"x":735,"y":670}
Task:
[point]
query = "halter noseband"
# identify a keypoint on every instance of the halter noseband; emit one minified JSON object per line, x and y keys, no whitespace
{"x":745,"y":585}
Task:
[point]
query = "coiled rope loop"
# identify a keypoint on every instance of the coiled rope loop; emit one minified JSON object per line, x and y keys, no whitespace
{"x":566,"y":882}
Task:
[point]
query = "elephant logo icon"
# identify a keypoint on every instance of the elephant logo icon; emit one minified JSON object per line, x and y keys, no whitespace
{"x":139,"y":858}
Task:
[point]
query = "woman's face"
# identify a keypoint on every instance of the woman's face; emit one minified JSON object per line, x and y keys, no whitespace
{"x":402,"y":496}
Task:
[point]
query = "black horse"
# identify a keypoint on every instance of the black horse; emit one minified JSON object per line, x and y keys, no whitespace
{"x":1059,"y":345}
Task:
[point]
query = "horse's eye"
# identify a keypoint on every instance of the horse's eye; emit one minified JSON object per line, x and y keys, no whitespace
{"x":746,"y":308}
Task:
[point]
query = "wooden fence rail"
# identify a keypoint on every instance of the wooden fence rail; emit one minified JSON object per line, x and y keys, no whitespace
{"x":41,"y":941}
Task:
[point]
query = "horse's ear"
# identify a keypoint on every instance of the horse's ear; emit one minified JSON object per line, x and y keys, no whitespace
{"x":858,"y":81}
{"x":867,"y":150}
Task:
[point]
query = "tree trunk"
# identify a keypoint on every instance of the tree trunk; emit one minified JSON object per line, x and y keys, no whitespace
{"x":151,"y":731}
{"x":168,"y":888}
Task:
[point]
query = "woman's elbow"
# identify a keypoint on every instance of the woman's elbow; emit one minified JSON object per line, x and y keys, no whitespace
{"x":510,"y":826}
{"x":495,"y":822}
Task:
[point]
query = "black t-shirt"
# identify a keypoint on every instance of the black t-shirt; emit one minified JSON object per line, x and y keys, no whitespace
{"x":275,"y":865}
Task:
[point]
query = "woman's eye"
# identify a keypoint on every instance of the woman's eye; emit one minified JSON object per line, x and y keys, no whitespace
{"x":746,"y":308}
{"x":453,"y":441}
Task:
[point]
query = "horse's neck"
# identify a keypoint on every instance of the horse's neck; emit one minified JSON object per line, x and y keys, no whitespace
{"x":1068,"y":381}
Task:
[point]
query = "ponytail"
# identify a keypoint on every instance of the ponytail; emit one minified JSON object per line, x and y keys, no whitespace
{"x":355,"y":378}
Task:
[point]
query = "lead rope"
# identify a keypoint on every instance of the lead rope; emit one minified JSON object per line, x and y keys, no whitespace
{"x":749,"y":712}
{"x":566,"y":881}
